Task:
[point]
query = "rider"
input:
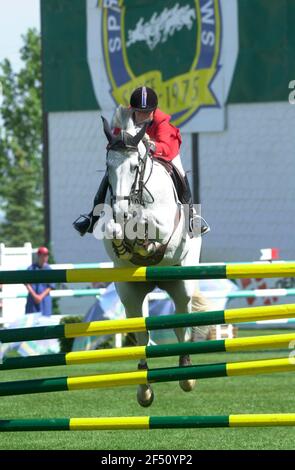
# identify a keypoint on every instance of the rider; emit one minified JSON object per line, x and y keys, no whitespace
{"x":163,"y":140}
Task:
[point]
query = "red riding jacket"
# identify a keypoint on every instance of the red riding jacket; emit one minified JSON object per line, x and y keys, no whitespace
{"x":166,"y":136}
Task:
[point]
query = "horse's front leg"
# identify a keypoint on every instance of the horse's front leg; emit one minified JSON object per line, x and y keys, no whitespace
{"x":132,"y":296}
{"x":145,"y":394}
{"x":184,"y":360}
{"x":181,"y":293}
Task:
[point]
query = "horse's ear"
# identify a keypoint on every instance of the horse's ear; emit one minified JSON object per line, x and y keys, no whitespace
{"x":107,"y":130}
{"x":137,"y":138}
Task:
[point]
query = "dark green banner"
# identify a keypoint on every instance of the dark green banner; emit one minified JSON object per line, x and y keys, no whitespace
{"x":265,"y":63}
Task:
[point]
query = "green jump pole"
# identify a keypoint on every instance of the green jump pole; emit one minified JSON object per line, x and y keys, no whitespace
{"x":251,"y":343}
{"x":155,"y":274}
{"x":147,"y":422}
{"x":170,"y":374}
{"x":73,"y":330}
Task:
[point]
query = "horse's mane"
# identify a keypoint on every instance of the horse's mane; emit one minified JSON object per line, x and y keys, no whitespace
{"x":123,"y":119}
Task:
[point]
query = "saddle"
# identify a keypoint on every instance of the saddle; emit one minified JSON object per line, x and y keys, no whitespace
{"x":177,"y":178}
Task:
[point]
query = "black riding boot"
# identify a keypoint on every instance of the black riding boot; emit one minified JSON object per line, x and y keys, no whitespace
{"x":85,"y":222}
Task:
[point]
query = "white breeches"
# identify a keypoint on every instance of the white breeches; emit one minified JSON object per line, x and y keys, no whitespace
{"x":177,"y":162}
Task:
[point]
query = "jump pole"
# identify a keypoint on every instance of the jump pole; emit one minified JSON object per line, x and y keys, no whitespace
{"x":147,"y":422}
{"x":150,"y":273}
{"x":107,"y":327}
{"x":255,"y":293}
{"x":251,"y":343}
{"x":170,"y":374}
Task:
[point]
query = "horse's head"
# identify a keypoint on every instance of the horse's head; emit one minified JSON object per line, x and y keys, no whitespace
{"x":124,"y":159}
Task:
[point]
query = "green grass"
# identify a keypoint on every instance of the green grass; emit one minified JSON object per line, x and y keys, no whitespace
{"x":219,"y":396}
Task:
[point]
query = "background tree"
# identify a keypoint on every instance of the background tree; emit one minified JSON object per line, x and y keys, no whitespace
{"x":21,"y":172}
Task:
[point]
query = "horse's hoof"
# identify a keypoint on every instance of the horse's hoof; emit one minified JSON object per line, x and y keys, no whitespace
{"x":187,"y":385}
{"x":147,"y":400}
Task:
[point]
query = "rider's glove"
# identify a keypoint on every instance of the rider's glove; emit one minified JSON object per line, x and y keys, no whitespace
{"x":149,"y":143}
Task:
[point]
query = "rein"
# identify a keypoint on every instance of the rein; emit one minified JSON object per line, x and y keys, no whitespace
{"x":136,"y":195}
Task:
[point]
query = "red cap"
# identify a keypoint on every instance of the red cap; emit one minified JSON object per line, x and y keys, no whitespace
{"x":42,"y":250}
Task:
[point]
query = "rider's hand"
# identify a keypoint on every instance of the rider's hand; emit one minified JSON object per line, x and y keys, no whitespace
{"x":149,"y":142}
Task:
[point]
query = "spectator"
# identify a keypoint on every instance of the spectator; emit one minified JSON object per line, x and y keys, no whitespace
{"x":39,"y":299}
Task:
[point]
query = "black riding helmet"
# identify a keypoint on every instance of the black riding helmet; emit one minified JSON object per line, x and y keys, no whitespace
{"x":144,"y":99}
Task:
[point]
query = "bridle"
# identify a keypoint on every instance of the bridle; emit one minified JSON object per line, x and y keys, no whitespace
{"x":138,"y":187}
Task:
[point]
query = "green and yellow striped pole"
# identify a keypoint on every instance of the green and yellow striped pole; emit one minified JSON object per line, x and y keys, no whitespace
{"x":151,"y":273}
{"x":181,"y":320}
{"x":147,"y":422}
{"x":170,"y":374}
{"x":251,"y":343}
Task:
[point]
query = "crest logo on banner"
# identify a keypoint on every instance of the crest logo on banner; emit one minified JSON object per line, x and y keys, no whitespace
{"x":172,"y":46}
